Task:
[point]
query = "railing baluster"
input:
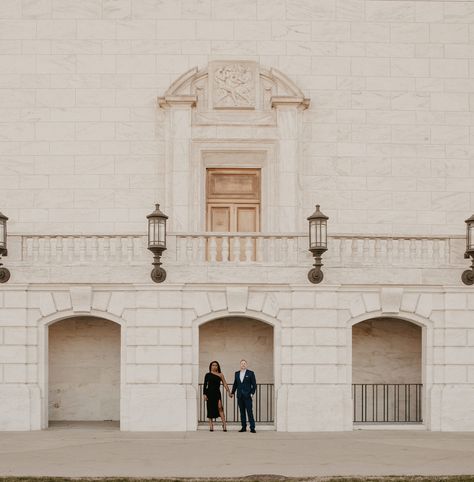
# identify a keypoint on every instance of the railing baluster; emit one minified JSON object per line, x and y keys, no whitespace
{"x":400,"y":403}
{"x":262,"y":407}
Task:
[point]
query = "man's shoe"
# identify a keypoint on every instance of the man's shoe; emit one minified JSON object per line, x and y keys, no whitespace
{"x":243,"y":430}
{"x":253,"y":430}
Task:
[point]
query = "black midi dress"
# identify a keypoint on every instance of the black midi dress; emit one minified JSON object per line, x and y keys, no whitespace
{"x":212,"y":389}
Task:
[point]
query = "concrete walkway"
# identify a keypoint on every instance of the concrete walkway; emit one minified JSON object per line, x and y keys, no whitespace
{"x":98,"y":450}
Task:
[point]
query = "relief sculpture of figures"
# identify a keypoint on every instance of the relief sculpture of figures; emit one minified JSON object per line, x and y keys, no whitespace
{"x":233,"y":86}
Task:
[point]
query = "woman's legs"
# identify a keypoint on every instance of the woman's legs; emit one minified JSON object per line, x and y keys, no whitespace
{"x":221,"y":413}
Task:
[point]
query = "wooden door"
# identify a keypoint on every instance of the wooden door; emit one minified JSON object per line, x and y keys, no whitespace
{"x":233,"y":205}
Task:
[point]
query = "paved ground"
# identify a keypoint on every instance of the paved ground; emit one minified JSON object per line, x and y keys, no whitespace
{"x":102,"y":450}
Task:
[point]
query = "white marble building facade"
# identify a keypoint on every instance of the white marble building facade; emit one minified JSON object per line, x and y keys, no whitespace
{"x":109,"y":106}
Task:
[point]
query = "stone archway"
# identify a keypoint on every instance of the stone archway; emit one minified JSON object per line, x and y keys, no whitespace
{"x":387,"y":371}
{"x":84,"y":367}
{"x":228,"y":340}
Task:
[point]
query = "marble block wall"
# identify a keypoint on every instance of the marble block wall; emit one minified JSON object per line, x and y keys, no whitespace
{"x":386,"y":144}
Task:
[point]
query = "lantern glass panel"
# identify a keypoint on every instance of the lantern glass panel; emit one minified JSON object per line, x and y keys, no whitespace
{"x":324,"y":237}
{"x":156,"y":234}
{"x":470,"y":236}
{"x":312,"y":234}
{"x":161,"y":232}
{"x":153,"y":232}
{"x":3,"y":235}
{"x":150,"y":232}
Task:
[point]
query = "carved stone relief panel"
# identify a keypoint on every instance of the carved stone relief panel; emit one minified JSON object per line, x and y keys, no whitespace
{"x":232,"y":84}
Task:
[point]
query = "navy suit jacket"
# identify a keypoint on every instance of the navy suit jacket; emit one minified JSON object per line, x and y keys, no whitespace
{"x":247,"y":387}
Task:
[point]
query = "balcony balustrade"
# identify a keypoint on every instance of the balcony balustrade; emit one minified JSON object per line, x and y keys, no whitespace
{"x":227,"y":257}
{"x":240,"y":249}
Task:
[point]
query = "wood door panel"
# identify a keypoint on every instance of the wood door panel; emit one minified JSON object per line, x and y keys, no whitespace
{"x":219,"y":218}
{"x":247,"y":219}
{"x":233,"y":184}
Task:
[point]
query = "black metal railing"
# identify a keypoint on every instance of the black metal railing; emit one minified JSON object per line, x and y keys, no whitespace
{"x":263,"y":405}
{"x":387,"y":403}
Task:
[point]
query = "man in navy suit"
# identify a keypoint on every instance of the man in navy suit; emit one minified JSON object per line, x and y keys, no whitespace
{"x":245,"y":384}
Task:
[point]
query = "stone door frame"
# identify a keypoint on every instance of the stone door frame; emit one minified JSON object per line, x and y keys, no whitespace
{"x":43,"y":359}
{"x":426,"y":361}
{"x":280,"y":421}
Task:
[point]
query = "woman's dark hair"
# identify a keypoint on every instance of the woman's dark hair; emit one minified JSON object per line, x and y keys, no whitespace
{"x":218,"y":366}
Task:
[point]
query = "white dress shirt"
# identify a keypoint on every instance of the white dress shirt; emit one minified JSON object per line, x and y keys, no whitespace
{"x":242,"y":375}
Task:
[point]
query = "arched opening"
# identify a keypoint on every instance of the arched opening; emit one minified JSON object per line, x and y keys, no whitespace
{"x":387,"y":371}
{"x":84,"y":370}
{"x":228,"y":340}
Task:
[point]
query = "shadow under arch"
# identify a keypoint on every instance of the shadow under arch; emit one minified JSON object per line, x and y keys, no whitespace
{"x":260,"y":317}
{"x":43,"y":325}
{"x":427,"y":334}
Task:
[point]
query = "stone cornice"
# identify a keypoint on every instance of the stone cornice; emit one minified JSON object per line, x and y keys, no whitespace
{"x":173,"y":100}
{"x":290,"y":101}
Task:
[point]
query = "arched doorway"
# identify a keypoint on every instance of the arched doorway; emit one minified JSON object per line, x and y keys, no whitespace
{"x":83,"y":372}
{"x":228,"y":340}
{"x":387,"y":371}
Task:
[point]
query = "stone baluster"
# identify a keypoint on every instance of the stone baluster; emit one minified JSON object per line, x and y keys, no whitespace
{"x":225,"y":249}
{"x":366,"y":250}
{"x":419,"y":250}
{"x":271,"y":249}
{"x":113,"y":248}
{"x":41,"y":241}
{"x":259,"y":248}
{"x":189,"y":249}
{"x":201,"y":247}
{"x":349,"y":252}
{"x":59,"y":249}
{"x":381,"y":251}
{"x":212,"y":249}
{"x":412,"y":250}
{"x":130,"y":249}
{"x":53,"y":249}
{"x":436,"y":251}
{"x":94,"y":246}
{"x":443,"y":252}
{"x":429,"y":252}
{"x":406,"y":250}
{"x":284,"y":250}
{"x":35,"y":249}
{"x":106,"y":248}
{"x":389,"y":252}
{"x":248,"y":249}
{"x":236,"y":240}
{"x":82,"y":250}
{"x":424,"y":250}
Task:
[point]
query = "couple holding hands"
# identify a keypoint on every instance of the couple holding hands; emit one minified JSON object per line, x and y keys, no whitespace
{"x":245,"y":385}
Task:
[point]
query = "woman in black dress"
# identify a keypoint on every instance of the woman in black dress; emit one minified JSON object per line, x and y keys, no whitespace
{"x":212,"y":394}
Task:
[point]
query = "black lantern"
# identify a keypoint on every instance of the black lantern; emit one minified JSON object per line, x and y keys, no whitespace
{"x":318,"y":243}
{"x":468,"y":275}
{"x":4,"y":273}
{"x":157,"y":242}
